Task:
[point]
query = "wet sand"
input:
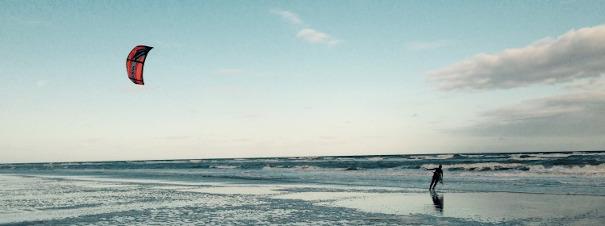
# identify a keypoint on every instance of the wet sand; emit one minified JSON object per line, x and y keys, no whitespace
{"x":107,"y":201}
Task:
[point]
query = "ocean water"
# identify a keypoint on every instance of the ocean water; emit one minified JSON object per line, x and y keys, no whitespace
{"x":484,"y":188}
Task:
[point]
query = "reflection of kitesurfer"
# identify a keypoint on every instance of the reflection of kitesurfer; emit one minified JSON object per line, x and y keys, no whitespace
{"x":437,"y":177}
{"x":437,"y":200}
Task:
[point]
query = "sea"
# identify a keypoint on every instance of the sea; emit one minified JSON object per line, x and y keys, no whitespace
{"x":477,"y":189}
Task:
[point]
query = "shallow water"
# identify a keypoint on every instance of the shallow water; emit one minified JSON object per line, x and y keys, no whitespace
{"x":521,"y":188}
{"x":485,"y":207}
{"x":79,"y":200}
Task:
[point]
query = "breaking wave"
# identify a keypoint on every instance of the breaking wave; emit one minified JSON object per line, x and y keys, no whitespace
{"x":564,"y":163}
{"x":587,"y":170}
{"x":581,"y":170}
{"x":448,"y":156}
{"x":487,"y":166}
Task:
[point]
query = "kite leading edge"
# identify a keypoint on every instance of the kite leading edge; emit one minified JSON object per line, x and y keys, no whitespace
{"x":135,"y":62}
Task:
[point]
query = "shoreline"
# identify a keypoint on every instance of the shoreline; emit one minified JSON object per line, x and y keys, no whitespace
{"x":398,"y":205}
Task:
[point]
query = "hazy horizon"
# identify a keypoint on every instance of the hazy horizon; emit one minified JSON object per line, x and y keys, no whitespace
{"x":307,"y":156}
{"x":268,"y":78}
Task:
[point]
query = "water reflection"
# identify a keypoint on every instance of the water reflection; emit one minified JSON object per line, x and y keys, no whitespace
{"x":437,"y":201}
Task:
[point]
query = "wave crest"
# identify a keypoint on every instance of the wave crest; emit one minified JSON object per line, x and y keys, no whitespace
{"x":486,"y":166}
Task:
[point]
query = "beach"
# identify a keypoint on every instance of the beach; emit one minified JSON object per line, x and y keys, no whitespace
{"x":391,"y":112}
{"x":173,"y":193}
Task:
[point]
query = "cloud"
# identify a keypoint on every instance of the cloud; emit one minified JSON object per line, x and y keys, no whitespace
{"x":307,"y":33}
{"x":427,"y":45}
{"x":228,"y":71}
{"x":291,"y":17}
{"x":575,"y":55}
{"x":574,"y":114}
{"x":316,"y":37}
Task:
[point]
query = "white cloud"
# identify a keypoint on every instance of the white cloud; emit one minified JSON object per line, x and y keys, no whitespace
{"x":574,"y":55}
{"x":427,"y":45}
{"x":228,"y":71}
{"x":307,"y":34}
{"x":291,"y":17}
{"x":317,"y":37}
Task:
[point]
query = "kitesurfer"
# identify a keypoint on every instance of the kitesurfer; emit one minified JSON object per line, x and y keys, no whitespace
{"x":437,"y":177}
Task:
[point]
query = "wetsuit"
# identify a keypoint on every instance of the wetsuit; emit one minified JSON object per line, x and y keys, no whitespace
{"x":437,"y":176}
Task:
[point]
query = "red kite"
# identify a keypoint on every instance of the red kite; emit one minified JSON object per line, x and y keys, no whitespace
{"x":135,"y":62}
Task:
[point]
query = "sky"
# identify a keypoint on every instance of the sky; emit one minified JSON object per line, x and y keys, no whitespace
{"x":299,"y":78}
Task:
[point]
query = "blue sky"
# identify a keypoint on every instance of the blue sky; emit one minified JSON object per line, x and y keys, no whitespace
{"x":291,"y":78}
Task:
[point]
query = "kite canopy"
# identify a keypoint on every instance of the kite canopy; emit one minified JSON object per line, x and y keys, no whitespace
{"x":135,"y":62}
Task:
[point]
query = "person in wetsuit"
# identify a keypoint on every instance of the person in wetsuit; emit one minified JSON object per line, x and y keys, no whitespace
{"x":437,"y":177}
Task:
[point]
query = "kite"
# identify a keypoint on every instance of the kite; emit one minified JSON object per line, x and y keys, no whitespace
{"x":135,"y":62}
